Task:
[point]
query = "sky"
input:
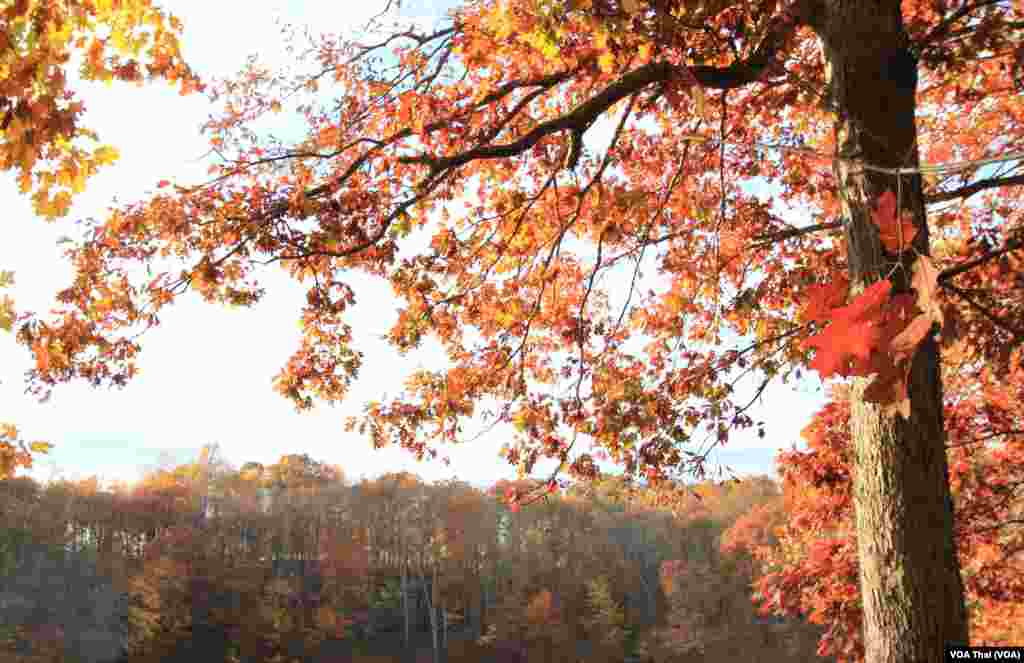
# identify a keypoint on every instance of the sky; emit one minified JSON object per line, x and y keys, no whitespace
{"x":205,"y":373}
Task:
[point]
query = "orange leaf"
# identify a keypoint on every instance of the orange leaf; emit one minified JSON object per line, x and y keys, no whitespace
{"x":895,"y":231}
{"x":821,"y":551}
{"x":822,"y":299}
{"x":42,"y":358}
{"x":904,"y":343}
{"x":730,"y":245}
{"x":844,"y":347}
{"x":926,"y":283}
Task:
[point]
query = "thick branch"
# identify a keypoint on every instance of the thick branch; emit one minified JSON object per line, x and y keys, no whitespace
{"x":580,"y":118}
{"x":975,"y":187}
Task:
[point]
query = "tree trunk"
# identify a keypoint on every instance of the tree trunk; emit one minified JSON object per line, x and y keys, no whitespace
{"x":912,"y":593}
{"x":479,"y":621}
{"x":405,"y":603}
{"x":431,"y":612}
{"x":444,"y":624}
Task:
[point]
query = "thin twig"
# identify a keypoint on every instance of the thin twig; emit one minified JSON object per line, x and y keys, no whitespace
{"x":771,"y":238}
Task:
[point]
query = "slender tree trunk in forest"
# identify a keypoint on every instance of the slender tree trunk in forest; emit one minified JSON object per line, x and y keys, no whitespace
{"x":482,"y":581}
{"x":405,"y":602}
{"x":444,"y":624}
{"x":429,"y":595}
{"x":911,"y":588}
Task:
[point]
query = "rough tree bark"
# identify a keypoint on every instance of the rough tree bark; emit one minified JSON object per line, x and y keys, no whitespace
{"x":913,"y":598}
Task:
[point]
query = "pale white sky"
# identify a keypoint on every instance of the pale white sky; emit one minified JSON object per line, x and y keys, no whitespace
{"x":206,"y":371}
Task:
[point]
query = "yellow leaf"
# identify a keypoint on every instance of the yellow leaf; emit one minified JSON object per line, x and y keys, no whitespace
{"x":698,"y":99}
{"x":78,"y":183}
{"x":7,"y":313}
{"x":606,"y":62}
{"x":40,"y":447}
{"x":52,"y":208}
{"x":105,"y":155}
{"x":120,"y":40}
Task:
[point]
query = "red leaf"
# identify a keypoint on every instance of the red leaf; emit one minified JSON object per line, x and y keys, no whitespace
{"x":822,"y":299}
{"x":845,"y":345}
{"x":869,"y":303}
{"x":895,"y":232}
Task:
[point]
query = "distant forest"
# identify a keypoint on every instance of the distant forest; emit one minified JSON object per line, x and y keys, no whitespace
{"x":635,"y":572}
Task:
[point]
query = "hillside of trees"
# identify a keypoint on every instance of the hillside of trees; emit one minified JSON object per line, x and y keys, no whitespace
{"x":295,"y":562}
{"x":615,"y":571}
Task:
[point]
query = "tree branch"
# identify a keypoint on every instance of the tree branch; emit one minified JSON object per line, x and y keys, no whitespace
{"x":975,"y":187}
{"x":1014,"y":333}
{"x":790,"y":233}
{"x":579,"y":119}
{"x":943,"y":28}
{"x":1011,"y":245}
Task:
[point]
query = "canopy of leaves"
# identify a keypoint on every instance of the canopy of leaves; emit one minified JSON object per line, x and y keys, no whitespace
{"x":811,"y":568}
{"x":474,"y":134}
{"x":41,"y":138}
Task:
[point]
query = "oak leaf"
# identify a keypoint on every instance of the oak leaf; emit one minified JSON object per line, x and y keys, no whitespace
{"x":413,"y":141}
{"x":895,"y":230}
{"x":845,"y":345}
{"x":925,"y":282}
{"x":824,"y":298}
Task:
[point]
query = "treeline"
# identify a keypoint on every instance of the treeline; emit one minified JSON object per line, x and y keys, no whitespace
{"x":629,"y":570}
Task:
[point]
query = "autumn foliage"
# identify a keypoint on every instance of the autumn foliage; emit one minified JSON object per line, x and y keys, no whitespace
{"x":575,"y":568}
{"x":476,"y":137}
{"x":41,"y":136}
{"x":812,"y":569}
{"x":400,"y":148}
